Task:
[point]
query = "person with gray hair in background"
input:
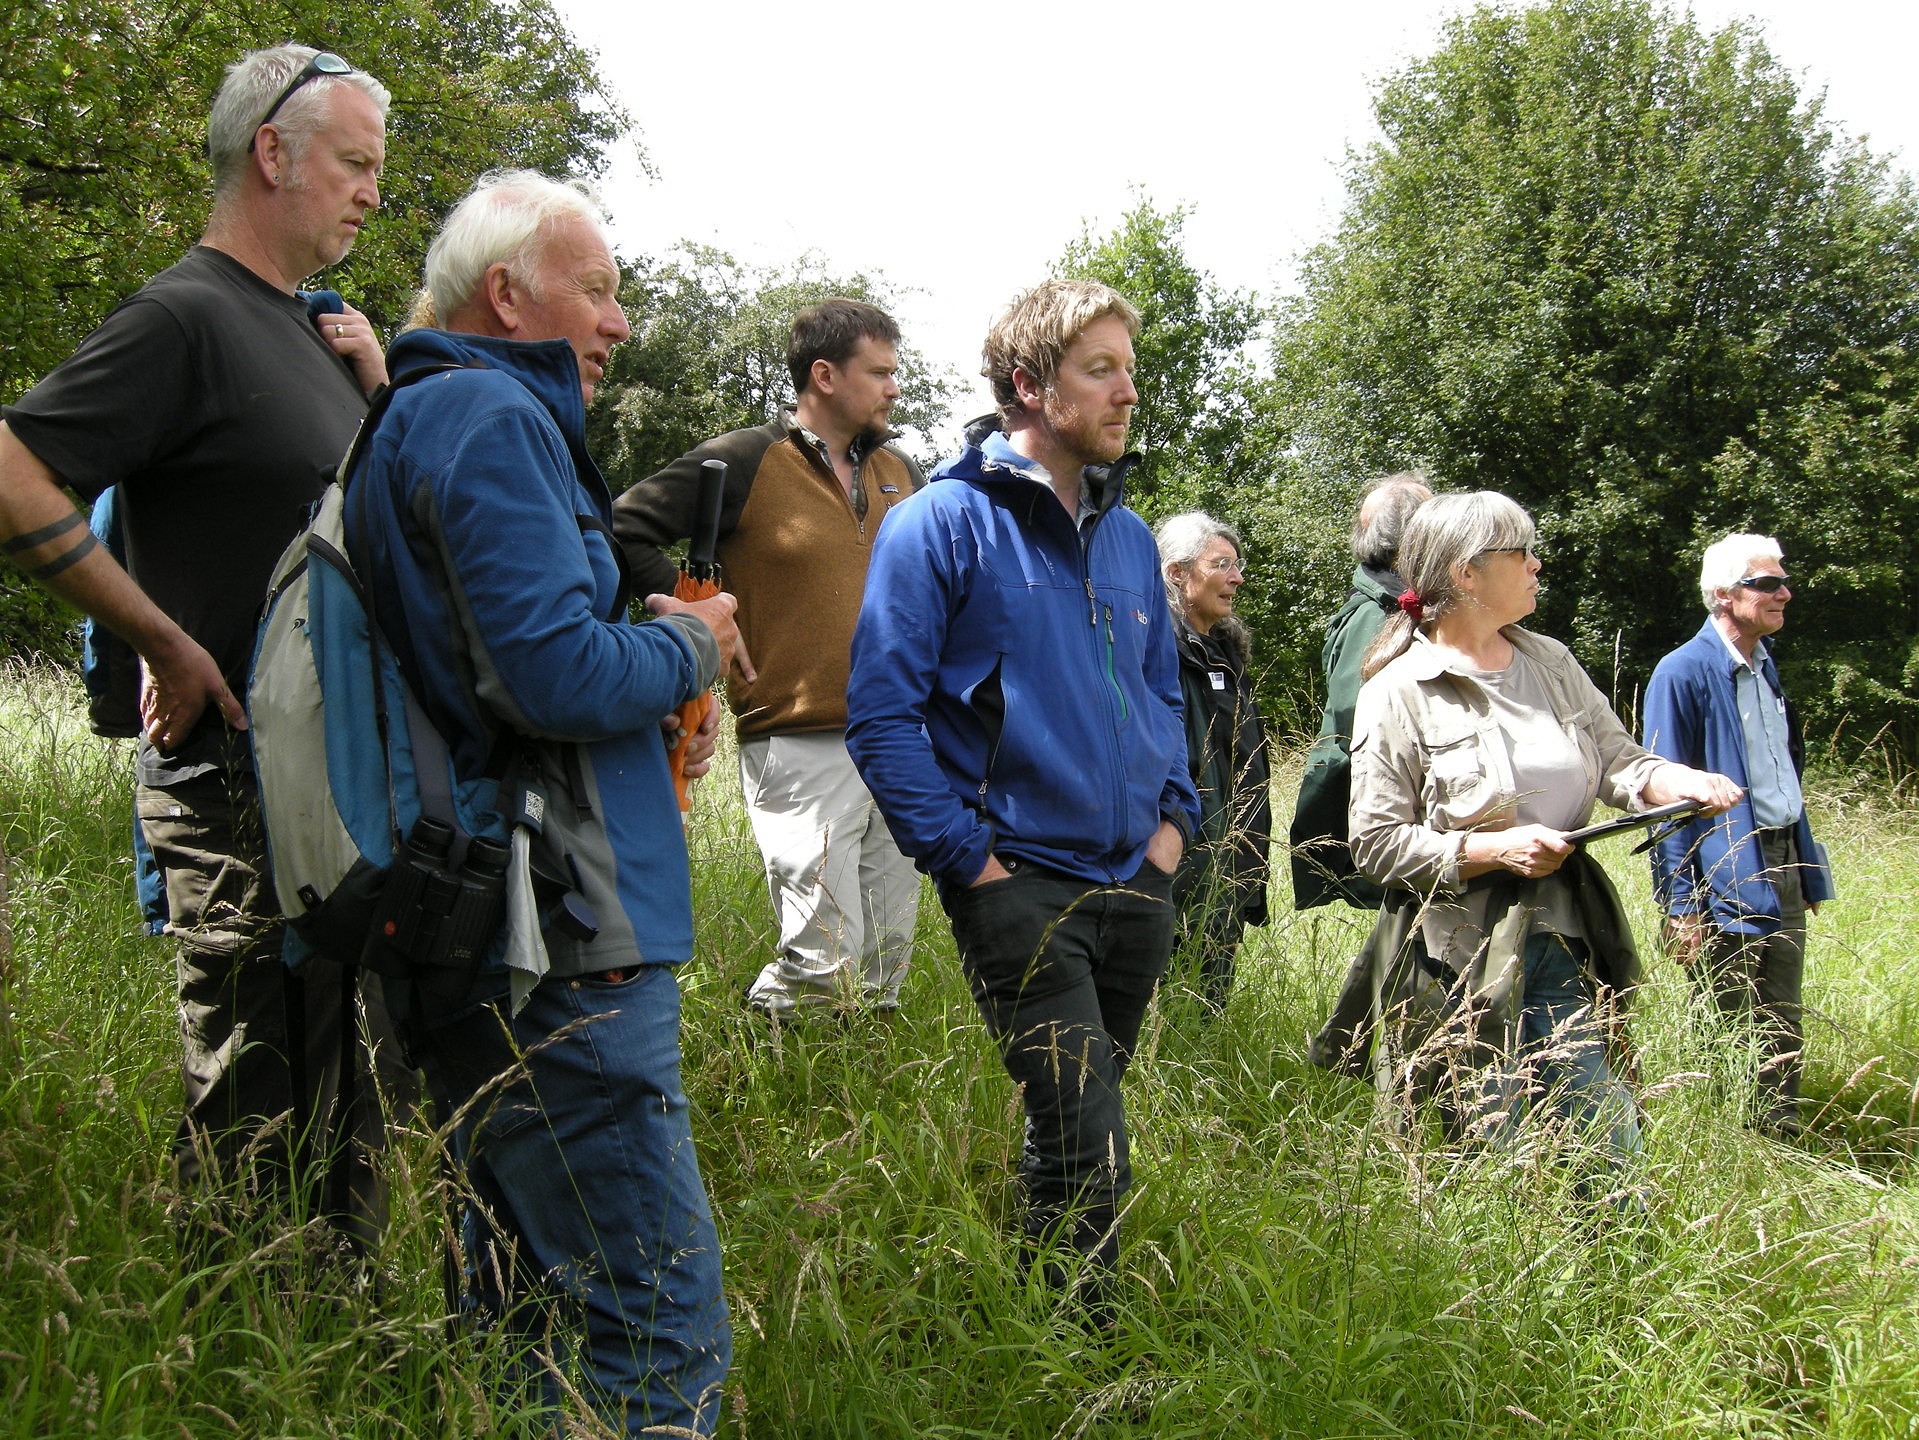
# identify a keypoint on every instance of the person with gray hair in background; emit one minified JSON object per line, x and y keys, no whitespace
{"x":1220,"y":887}
{"x":218,"y":400}
{"x":485,"y":533}
{"x":1322,"y":861}
{"x":1736,"y":890}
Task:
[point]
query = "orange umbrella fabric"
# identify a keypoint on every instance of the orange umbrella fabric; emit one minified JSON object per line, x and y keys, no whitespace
{"x":699,"y":580}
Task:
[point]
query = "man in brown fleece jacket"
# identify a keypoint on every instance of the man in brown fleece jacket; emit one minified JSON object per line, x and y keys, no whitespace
{"x":805,"y":495}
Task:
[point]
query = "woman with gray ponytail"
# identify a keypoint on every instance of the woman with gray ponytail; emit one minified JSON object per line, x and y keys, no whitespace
{"x":1220,"y":888}
{"x":1502,"y":949}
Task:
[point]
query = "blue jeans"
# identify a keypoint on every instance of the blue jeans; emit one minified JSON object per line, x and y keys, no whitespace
{"x":1062,"y":971}
{"x":1560,"y":1060}
{"x":586,"y":1212}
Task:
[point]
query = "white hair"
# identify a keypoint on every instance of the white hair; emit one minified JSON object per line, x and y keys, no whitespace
{"x":1181,"y":538}
{"x":1728,"y":561}
{"x":252,"y":84}
{"x":1383,"y":512}
{"x":507,"y":218}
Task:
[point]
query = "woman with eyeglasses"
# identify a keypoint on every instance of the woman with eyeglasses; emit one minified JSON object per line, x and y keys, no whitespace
{"x":1220,"y":887}
{"x":1501,"y":956}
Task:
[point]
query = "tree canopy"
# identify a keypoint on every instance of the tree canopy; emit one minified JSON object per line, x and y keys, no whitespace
{"x":1622,"y":270}
{"x":103,"y":172}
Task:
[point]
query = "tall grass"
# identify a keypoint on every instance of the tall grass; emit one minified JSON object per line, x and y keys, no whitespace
{"x":1296,"y":1263}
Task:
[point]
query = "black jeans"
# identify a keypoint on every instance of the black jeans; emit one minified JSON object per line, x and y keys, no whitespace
{"x":1062,"y":971}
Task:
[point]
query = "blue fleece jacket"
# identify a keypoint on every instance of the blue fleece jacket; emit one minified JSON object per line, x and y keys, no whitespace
{"x":1715,"y":867}
{"x":1015,"y":685}
{"x":483,"y":528}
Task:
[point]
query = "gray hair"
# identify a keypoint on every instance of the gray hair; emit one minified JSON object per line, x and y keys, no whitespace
{"x":1381,"y":519}
{"x":1726,"y":562}
{"x":1180,"y":539}
{"x":1443,"y":535}
{"x":253,"y":81}
{"x":506,"y":218}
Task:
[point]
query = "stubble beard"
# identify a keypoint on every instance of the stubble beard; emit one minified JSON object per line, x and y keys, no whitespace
{"x":1085,"y":440}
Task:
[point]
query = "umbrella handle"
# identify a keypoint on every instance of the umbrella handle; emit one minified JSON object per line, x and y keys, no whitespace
{"x":706,"y":520}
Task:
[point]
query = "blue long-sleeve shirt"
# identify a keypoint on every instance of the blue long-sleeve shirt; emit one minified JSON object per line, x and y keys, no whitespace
{"x":1715,"y":867}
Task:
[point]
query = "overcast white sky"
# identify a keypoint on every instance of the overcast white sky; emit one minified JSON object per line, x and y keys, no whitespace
{"x":957,"y":148}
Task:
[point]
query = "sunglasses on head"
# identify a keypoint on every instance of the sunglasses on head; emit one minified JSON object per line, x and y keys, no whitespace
{"x":1764,"y":584}
{"x":325,"y":63}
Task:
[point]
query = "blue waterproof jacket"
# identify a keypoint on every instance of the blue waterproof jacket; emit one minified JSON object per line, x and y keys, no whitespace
{"x":1715,"y":867}
{"x":483,"y":530}
{"x":1015,"y":685}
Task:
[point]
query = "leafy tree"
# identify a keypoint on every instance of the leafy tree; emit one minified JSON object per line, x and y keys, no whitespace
{"x":1621,"y":270}
{"x":103,"y":175}
{"x":1194,"y":379}
{"x":708,"y":355}
{"x":1211,"y":439}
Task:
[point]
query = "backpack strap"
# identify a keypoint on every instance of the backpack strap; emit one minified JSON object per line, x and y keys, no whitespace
{"x":433,"y":761}
{"x":376,"y":411}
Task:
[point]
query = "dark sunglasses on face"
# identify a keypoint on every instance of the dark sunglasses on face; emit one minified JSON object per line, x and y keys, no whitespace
{"x":1764,"y":584}
{"x":325,"y":63}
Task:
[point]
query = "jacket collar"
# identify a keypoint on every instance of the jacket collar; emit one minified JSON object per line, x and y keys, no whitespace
{"x":1206,"y":650}
{"x":864,"y":443}
{"x":1425,"y":661}
{"x":989,"y":457}
{"x":547,"y":368}
{"x":1710,"y":637}
{"x":1382,"y":587}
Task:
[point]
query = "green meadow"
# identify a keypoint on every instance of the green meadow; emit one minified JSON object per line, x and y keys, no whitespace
{"x":1299,"y":1262}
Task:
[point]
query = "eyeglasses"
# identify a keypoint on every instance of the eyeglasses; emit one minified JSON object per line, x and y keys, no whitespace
{"x":325,"y":63}
{"x":1764,"y":584}
{"x":1531,"y":552}
{"x":1224,"y":564}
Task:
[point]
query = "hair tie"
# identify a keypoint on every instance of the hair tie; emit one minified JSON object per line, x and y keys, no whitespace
{"x":1409,"y":602}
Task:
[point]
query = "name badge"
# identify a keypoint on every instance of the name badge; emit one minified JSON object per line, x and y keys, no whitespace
{"x":1219,"y":679}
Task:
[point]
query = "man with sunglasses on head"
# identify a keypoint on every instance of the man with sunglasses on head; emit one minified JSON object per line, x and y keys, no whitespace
{"x":218,"y":400}
{"x":1736,"y":888}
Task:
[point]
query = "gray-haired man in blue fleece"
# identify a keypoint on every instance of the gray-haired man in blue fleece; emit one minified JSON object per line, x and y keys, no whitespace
{"x":485,"y":531}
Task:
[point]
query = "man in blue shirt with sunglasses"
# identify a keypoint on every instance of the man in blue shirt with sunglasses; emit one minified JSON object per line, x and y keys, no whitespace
{"x":1736,"y":888}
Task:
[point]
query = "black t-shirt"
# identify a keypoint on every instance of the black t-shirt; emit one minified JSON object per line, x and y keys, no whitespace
{"x":214,"y":404}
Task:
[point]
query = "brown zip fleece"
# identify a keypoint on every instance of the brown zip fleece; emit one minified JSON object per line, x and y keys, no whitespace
{"x":791,"y":550}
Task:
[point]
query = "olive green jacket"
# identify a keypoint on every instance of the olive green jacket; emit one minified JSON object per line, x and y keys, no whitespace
{"x":1323,"y":869}
{"x":1412,"y":1023}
